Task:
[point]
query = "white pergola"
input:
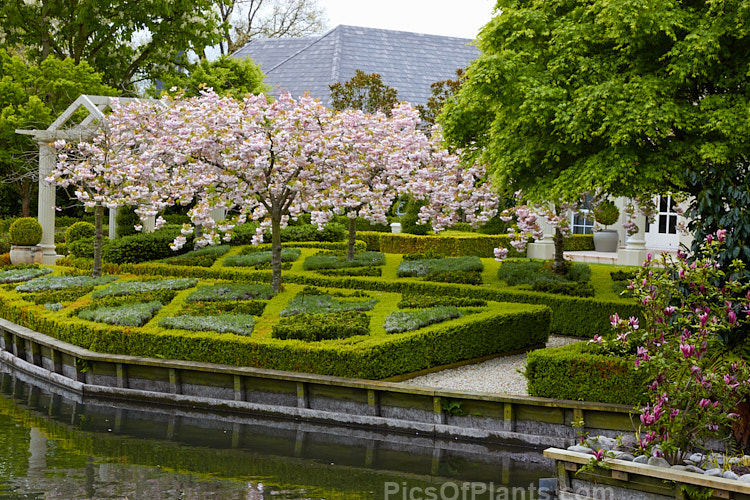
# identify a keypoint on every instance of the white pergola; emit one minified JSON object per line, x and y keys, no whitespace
{"x":63,"y":128}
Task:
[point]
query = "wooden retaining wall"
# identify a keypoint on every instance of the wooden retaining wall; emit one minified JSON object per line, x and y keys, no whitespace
{"x":316,"y":398}
{"x":623,"y":480}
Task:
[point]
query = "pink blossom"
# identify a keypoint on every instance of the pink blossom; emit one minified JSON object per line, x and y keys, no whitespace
{"x":688,"y":350}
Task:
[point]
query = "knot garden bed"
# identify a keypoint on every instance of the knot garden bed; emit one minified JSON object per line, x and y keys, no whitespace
{"x":160,"y":310}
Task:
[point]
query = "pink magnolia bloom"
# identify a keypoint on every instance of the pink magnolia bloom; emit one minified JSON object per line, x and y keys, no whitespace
{"x":721,"y":234}
{"x":688,"y":350}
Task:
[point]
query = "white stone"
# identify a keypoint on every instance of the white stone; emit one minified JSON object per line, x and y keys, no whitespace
{"x":658,"y":462}
{"x":580,"y":449}
{"x":730,"y":475}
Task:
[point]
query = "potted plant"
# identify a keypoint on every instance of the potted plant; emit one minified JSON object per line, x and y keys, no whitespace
{"x":25,"y":235}
{"x":606,"y":213}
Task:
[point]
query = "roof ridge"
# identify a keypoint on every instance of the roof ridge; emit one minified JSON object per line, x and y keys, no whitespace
{"x":316,"y":40}
{"x":336,"y":60}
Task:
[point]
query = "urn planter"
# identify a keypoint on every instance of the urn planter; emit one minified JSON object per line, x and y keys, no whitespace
{"x":606,"y":240}
{"x":22,"y":254}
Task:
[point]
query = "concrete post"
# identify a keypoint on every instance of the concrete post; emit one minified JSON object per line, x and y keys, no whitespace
{"x":635,"y":251}
{"x":46,"y":211}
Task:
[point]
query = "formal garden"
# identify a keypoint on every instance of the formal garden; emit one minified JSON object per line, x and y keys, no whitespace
{"x":337,"y":293}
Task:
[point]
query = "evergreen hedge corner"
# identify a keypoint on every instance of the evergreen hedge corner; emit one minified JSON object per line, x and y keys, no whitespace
{"x":573,"y":373}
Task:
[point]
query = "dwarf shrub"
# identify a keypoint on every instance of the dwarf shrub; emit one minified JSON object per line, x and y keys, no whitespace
{"x":78,"y":231}
{"x":25,"y":231}
{"x":241,"y":324}
{"x":406,"y":321}
{"x":317,"y":327}
{"x":231,"y":291}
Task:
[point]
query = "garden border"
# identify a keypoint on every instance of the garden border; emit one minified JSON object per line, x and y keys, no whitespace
{"x":352,"y":402}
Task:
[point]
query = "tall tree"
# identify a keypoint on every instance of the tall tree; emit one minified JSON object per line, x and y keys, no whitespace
{"x":246,"y":20}
{"x":372,"y":161}
{"x":620,"y":97}
{"x":104,"y":170}
{"x":127,"y":42}
{"x":365,"y":92}
{"x":440,"y":92}
{"x":32,"y":96}
{"x":225,"y":75}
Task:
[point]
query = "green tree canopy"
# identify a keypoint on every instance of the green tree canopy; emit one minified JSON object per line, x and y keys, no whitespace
{"x":226,"y":75}
{"x":32,"y":96}
{"x":636,"y":97}
{"x":569,"y":96}
{"x":441,"y":92}
{"x":365,"y":92}
{"x":125,"y":41}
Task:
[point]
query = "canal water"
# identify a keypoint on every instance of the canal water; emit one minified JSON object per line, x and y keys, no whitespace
{"x":59,"y":445}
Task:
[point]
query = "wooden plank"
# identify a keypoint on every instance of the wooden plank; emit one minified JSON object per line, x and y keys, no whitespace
{"x":717,"y":483}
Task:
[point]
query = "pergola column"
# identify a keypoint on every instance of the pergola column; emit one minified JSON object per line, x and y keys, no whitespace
{"x":46,"y":212}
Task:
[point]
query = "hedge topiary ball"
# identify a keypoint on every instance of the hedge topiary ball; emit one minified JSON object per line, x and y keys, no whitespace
{"x":606,"y":213}
{"x":78,"y":231}
{"x":25,"y":231}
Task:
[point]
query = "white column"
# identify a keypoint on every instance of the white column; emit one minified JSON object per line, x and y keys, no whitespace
{"x":149,"y":225}
{"x":46,"y":210}
{"x":218,"y":214}
{"x":635,"y":251}
{"x":544,"y":248}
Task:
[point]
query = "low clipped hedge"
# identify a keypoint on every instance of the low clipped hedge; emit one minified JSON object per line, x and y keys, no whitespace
{"x":578,"y":243}
{"x":571,"y":372}
{"x":317,"y":327}
{"x":503,"y":328}
{"x":479,"y":245}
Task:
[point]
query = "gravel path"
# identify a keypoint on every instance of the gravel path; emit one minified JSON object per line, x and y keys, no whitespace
{"x":498,"y":375}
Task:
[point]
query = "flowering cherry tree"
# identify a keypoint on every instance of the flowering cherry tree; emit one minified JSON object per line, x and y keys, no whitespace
{"x":105,"y":171}
{"x":265,"y":159}
{"x":372,"y":158}
{"x":450,"y":189}
{"x":527,"y":227}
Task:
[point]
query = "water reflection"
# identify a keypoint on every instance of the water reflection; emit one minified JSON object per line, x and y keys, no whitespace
{"x":59,"y":445}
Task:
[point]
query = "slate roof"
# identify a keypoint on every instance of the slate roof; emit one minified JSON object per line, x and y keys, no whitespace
{"x":408,"y":62}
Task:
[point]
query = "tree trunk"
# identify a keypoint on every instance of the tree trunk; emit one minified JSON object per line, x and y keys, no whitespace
{"x":558,"y":265}
{"x":96,"y":270}
{"x":352,"y":238}
{"x":25,"y":201}
{"x":276,"y":249}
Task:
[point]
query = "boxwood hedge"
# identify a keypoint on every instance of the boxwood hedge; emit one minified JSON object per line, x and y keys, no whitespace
{"x":571,"y":372}
{"x":502,"y":328}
